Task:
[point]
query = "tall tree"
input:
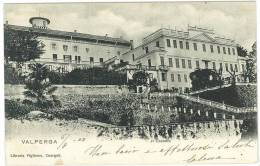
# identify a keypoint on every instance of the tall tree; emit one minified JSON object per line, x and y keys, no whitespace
{"x":21,"y":46}
{"x":39,"y":89}
{"x":251,"y":72}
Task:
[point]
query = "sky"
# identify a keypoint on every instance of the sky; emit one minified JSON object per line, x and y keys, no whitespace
{"x":235,"y":20}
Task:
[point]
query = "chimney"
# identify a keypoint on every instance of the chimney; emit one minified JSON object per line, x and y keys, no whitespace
{"x":132,"y":44}
{"x":6,"y":22}
{"x":106,"y":35}
{"x":75,"y":30}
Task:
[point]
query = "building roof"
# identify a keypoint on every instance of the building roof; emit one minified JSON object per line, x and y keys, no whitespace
{"x":69,"y":35}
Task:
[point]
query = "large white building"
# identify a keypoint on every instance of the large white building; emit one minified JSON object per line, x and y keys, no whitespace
{"x":171,"y":55}
{"x":65,"y":51}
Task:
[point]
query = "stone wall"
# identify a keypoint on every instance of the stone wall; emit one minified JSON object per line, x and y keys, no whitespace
{"x":16,"y":91}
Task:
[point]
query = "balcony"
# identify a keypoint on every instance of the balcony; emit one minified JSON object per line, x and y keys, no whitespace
{"x":163,"y":67}
{"x":151,"y":68}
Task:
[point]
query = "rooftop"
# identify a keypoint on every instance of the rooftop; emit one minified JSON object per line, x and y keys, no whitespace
{"x":69,"y":35}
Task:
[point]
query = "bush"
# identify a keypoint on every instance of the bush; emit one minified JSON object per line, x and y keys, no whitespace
{"x":11,"y":76}
{"x":15,"y":109}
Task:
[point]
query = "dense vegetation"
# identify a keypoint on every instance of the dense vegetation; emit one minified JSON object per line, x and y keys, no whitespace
{"x":238,"y":95}
{"x":91,"y":76}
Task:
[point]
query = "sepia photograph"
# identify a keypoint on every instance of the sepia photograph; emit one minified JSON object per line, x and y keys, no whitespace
{"x":88,"y":83}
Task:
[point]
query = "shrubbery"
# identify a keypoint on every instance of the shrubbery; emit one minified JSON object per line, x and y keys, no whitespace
{"x":91,"y":76}
{"x":12,"y":76}
{"x":15,"y":109}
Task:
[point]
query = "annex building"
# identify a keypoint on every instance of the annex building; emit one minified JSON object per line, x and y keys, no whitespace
{"x":170,"y":56}
{"x":65,"y":51}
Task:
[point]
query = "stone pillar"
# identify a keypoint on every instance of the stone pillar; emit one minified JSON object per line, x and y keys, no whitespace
{"x":162,"y":108}
{"x":148,"y":106}
{"x":191,"y":111}
{"x":141,"y":106}
{"x":184,"y":110}
{"x":207,"y":113}
{"x":233,"y":116}
{"x":169,"y":109}
{"x":199,"y":112}
{"x":215,"y":115}
{"x":179,"y":109}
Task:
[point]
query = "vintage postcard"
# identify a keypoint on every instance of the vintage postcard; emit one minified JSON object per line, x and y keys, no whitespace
{"x":130,"y":83}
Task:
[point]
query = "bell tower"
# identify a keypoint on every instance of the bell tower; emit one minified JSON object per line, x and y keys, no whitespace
{"x":39,"y":22}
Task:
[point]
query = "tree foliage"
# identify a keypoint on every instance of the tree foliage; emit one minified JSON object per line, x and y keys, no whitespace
{"x":39,"y":90}
{"x":21,"y":46}
{"x":250,"y":72}
{"x":204,"y":78}
{"x":241,"y":51}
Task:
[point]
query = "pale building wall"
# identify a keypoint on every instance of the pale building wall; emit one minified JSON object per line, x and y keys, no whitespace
{"x":85,"y":51}
{"x":185,"y":55}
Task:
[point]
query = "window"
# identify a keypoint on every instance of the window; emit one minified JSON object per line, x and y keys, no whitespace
{"x":179,"y":77}
{"x":150,"y":76}
{"x":67,"y":58}
{"x":157,"y":44}
{"x":54,"y":46}
{"x":181,"y":44}
{"x":197,"y":64}
{"x":224,"y":50}
{"x":163,"y":76}
{"x":75,"y":48}
{"x":195,"y":46}
{"x":214,"y":65}
{"x":168,"y":42}
{"x":162,"y":60}
{"x":218,"y":49}
{"x":226,"y":65}
{"x":65,"y":47}
{"x":231,"y":67}
{"x":228,"y":51}
{"x":204,"y":47}
{"x":185,"y":78}
{"x":177,"y":62}
{"x":187,"y":45}
{"x":189,"y":64}
{"x":133,"y":57}
{"x":101,"y":60}
{"x":118,"y":52}
{"x":234,"y":52}
{"x":149,"y":62}
{"x":206,"y":64}
{"x":172,"y":77}
{"x":91,"y":59}
{"x":220,"y":66}
{"x":236,"y":69}
{"x":54,"y":57}
{"x":146,"y":50}
{"x":243,"y":67}
{"x":211,"y":48}
{"x":183,"y":63}
{"x":174,"y":43}
{"x":77,"y":59}
{"x":170,"y":62}
{"x":87,"y":50}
